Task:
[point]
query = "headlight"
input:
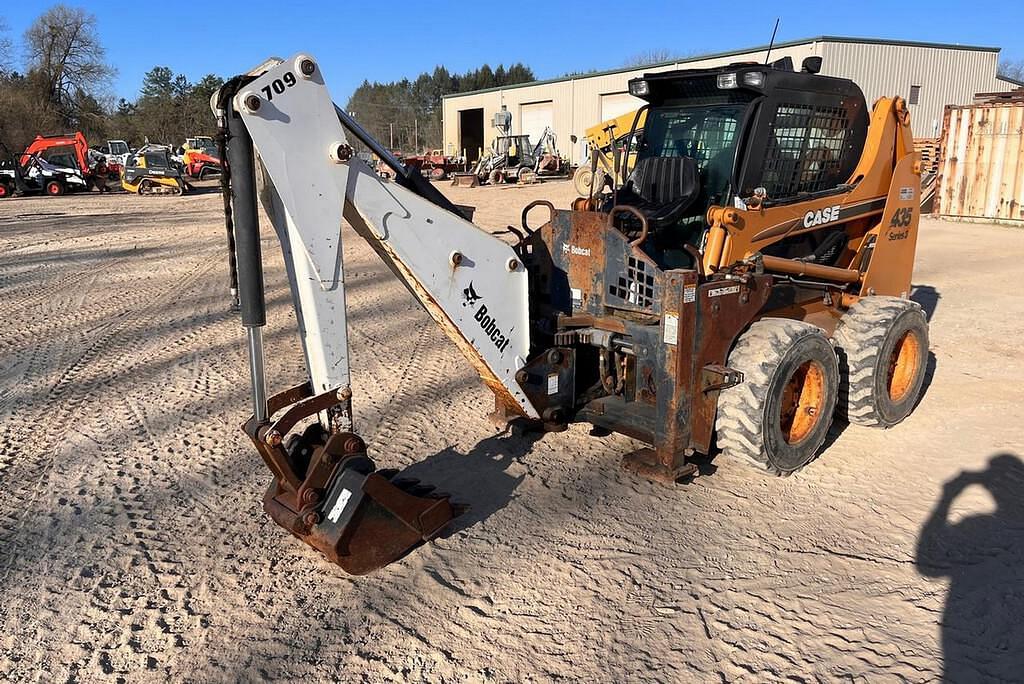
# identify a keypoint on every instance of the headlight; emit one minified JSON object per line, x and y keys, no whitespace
{"x":754,"y":79}
{"x":727,"y":81}
{"x":639,"y":88}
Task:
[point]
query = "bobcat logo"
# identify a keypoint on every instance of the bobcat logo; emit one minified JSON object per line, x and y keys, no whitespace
{"x":470,"y":294}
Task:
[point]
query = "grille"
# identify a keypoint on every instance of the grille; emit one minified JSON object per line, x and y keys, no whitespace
{"x":806,"y":150}
{"x":636,"y":286}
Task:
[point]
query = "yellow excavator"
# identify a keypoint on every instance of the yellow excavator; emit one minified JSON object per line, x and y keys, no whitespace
{"x":746,"y":285}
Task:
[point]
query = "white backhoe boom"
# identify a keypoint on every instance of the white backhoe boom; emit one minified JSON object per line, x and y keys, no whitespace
{"x":470,"y":282}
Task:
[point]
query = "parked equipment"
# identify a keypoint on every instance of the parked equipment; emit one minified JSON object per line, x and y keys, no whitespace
{"x":748,"y":282}
{"x":513,"y":159}
{"x":435,"y":164}
{"x":71,"y":151}
{"x":36,"y":176}
{"x":150,"y":171}
{"x":116,"y":151}
{"x":199,"y":158}
{"x":604,"y":141}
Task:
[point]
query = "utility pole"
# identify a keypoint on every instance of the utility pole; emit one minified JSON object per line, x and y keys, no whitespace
{"x":416,"y":135}
{"x":391,"y":132}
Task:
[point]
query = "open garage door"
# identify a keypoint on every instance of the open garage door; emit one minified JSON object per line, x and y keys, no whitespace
{"x":534,"y":118}
{"x":617,"y":104}
{"x":471,"y":133}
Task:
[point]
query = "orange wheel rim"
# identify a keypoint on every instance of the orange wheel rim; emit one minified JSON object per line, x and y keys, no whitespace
{"x":802,"y":402}
{"x":904,"y":364}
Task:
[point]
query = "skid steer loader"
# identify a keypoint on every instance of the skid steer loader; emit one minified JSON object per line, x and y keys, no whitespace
{"x":747,"y":283}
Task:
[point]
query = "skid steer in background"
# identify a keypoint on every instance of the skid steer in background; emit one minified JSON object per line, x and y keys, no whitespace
{"x":150,"y":171}
{"x":748,"y":282}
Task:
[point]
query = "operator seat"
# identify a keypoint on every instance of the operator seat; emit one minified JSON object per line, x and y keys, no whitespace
{"x":662,"y":189}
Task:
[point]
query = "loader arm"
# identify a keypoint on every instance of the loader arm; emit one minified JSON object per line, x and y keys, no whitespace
{"x":326,"y":490}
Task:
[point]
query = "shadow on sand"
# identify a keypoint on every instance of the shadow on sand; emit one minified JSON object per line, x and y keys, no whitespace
{"x":983,"y":558}
{"x":478,"y":478}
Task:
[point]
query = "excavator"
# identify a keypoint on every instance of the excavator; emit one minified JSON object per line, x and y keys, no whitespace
{"x":746,"y":285}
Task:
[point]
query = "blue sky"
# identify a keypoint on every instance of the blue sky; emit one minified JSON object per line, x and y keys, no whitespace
{"x":389,"y":40}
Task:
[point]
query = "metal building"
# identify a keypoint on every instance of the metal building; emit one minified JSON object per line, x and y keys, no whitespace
{"x":929,"y":75}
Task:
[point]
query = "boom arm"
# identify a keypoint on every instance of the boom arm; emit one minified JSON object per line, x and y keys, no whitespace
{"x":470,"y":282}
{"x":326,"y":490}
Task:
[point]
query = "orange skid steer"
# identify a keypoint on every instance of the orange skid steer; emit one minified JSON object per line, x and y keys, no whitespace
{"x":747,"y":282}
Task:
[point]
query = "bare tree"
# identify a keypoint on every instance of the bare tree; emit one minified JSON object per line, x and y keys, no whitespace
{"x":5,"y":47}
{"x":653,"y":56}
{"x":1012,"y":68}
{"x":64,"y":53}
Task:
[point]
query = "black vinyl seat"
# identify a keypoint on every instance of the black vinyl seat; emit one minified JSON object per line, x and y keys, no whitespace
{"x":662,"y":189}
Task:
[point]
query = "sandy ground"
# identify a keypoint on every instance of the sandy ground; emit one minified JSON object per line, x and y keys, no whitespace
{"x":133,"y":545}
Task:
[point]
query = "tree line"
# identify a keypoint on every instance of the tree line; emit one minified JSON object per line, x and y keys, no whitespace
{"x":63,"y":85}
{"x":406,"y":114}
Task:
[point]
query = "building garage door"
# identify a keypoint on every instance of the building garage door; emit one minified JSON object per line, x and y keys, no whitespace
{"x":534,"y":118}
{"x":617,"y":104}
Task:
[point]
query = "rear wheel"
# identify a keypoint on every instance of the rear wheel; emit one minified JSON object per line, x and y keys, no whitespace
{"x":778,"y":417}
{"x":581,"y":181}
{"x":54,"y":188}
{"x":5,"y":190}
{"x":495,"y":177}
{"x":883,"y":350}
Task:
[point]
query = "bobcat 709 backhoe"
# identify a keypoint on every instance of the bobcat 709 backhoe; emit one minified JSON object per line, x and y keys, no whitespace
{"x":750,"y":281}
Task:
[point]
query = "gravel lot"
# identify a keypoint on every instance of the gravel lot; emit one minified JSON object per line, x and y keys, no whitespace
{"x":133,"y":545}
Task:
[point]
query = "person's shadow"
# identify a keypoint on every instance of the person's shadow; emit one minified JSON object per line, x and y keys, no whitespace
{"x":983,"y":557}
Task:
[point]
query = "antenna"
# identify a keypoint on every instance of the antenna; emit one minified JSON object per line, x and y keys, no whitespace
{"x":772,"y":43}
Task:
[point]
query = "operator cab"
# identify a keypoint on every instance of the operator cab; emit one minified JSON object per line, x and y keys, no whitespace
{"x":715,"y":136}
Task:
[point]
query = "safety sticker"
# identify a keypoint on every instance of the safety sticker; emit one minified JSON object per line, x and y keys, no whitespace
{"x":339,"y":505}
{"x":553,"y":383}
{"x":906,"y":193}
{"x":689,"y":294}
{"x":577,"y":297}
{"x":671,"y":328}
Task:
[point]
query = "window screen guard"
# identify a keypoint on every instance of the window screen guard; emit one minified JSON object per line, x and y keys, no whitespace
{"x":805,"y":152}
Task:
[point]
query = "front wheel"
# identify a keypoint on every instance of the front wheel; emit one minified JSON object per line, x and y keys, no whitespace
{"x":777,"y":418}
{"x":883,"y":348}
{"x":54,"y":188}
{"x":5,"y":190}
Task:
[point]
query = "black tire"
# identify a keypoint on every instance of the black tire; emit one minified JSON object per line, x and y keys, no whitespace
{"x":883,"y":355}
{"x":783,"y":362}
{"x":5,"y":190}
{"x":54,"y":188}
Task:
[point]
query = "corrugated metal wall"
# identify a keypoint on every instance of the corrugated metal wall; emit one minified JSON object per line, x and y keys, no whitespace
{"x":982,"y":170}
{"x":946,"y":76}
{"x":577,"y":101}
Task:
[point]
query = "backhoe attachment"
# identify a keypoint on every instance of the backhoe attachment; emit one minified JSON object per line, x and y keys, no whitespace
{"x":326,"y":490}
